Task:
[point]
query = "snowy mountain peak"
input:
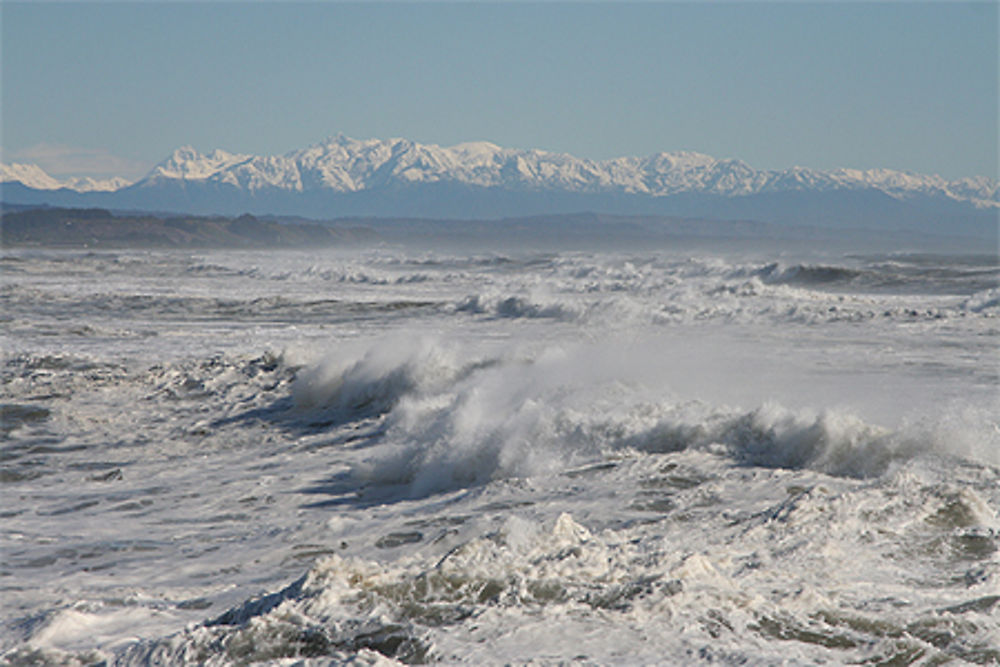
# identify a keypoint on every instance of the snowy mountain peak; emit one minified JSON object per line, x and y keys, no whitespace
{"x":28,"y":174}
{"x":88,"y":184}
{"x":188,"y":164}
{"x":683,"y":159}
{"x":35,"y":177}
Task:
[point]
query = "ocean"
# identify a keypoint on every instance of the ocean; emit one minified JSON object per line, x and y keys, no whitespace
{"x":382,"y":455}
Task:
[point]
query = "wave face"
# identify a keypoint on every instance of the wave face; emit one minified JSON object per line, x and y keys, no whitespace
{"x":390,"y":456}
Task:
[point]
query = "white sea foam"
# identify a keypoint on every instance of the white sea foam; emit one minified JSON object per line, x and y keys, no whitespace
{"x":526,"y":576}
{"x":457,"y":423}
{"x":985,"y":302}
{"x":373,"y":456}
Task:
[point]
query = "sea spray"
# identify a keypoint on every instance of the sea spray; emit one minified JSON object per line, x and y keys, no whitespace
{"x":457,"y":419}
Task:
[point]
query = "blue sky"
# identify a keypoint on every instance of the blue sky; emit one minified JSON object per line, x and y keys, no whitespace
{"x":112,"y":88}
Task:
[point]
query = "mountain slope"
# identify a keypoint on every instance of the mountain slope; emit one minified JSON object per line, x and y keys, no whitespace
{"x":34,"y":177}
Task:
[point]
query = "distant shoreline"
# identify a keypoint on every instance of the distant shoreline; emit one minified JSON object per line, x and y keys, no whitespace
{"x":27,"y":226}
{"x":100,"y":228}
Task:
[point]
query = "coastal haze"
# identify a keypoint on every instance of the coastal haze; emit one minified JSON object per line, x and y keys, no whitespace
{"x":433,"y":399}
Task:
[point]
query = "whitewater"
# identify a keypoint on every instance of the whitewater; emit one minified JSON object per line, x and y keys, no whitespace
{"x":390,"y":455}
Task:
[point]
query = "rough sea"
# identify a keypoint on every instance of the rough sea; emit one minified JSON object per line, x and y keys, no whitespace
{"x":381,"y":455}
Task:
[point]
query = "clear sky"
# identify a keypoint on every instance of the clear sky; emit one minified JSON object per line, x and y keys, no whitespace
{"x":112,"y":88}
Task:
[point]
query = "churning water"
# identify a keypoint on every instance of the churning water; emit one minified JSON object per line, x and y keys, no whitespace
{"x":380,"y":456}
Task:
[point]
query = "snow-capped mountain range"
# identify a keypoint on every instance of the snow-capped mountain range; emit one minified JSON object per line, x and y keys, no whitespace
{"x":344,"y":176}
{"x":342,"y":164}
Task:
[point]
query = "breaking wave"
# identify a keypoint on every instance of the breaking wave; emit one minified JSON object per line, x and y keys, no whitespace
{"x":518,"y":307}
{"x":986,"y":302}
{"x":804,"y":274}
{"x":346,"y":388}
{"x":450,"y":423}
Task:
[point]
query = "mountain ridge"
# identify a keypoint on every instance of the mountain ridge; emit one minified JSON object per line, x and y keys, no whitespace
{"x":400,"y":178}
{"x":341,"y":164}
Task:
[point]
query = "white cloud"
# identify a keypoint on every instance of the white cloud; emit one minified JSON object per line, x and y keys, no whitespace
{"x":62,"y":160}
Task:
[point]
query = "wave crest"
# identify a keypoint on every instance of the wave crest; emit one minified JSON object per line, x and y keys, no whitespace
{"x":452,"y":425}
{"x":345,"y":388}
